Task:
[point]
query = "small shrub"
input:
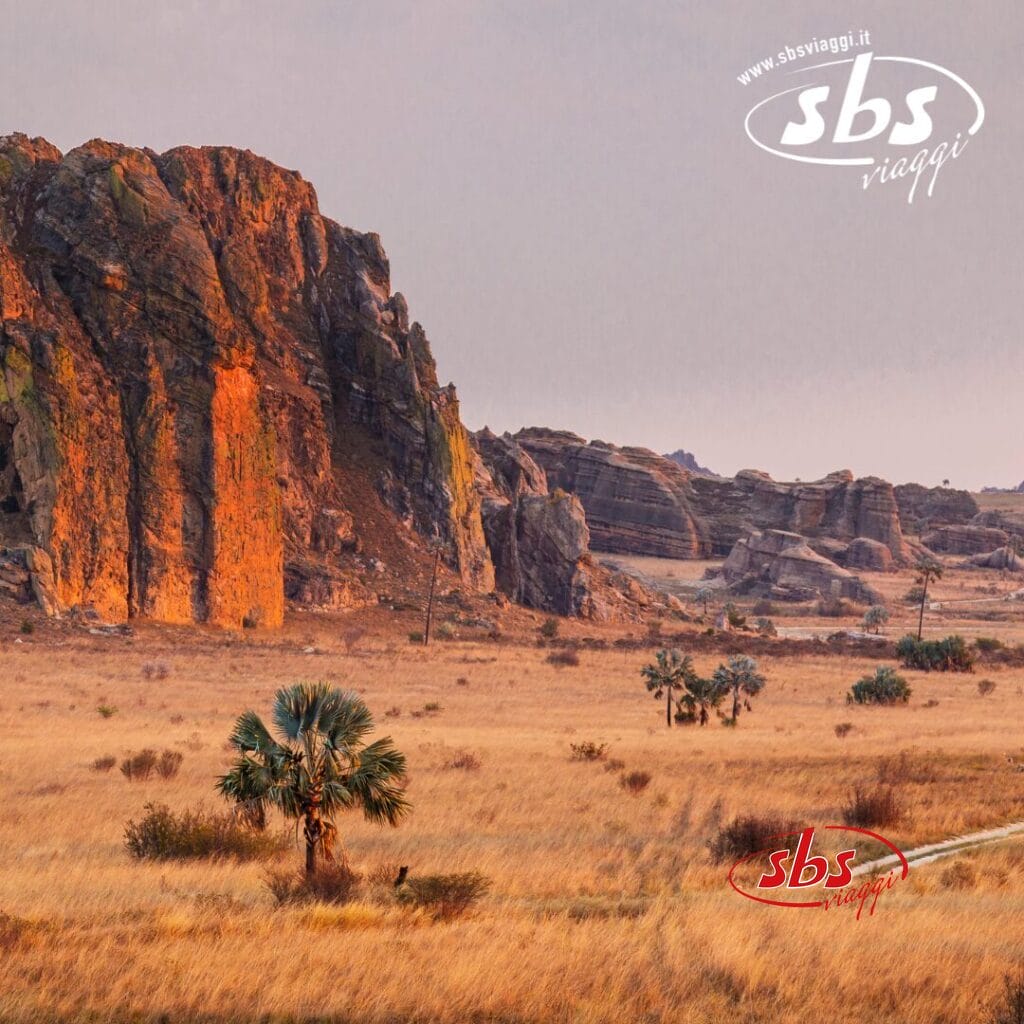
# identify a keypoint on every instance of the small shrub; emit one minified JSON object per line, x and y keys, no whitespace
{"x":749,"y":834}
{"x":933,"y":703}
{"x":1010,"y":1009}
{"x":654,"y":628}
{"x":765,"y":627}
{"x":961,"y":874}
{"x":332,"y":882}
{"x":875,"y":617}
{"x":834,"y":608}
{"x":763,"y":607}
{"x":104,"y":764}
{"x":915,"y":595}
{"x":988,"y":644}
{"x":549,"y":629}
{"x":445,"y":631}
{"x":567,"y":658}
{"x":106,"y":711}
{"x":588,"y":750}
{"x":138,"y":767}
{"x":251,"y":620}
{"x":196,"y":833}
{"x":432,"y":707}
{"x":444,"y":896}
{"x":465,"y":760}
{"x":351,"y":637}
{"x":736,"y":620}
{"x":169,"y":764}
{"x":884,"y":687}
{"x":416,"y":637}
{"x":155,"y":670}
{"x":950,"y":654}
{"x":27,"y":627}
{"x":462,"y":681}
{"x":393,"y":712}
{"x":873,"y":808}
{"x":986,"y":687}
{"x":635,"y":782}
{"x":613,"y":764}
{"x":843,"y":729}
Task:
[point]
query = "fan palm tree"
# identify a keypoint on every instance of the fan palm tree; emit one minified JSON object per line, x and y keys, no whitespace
{"x":316,"y":766}
{"x":739,"y":676}
{"x":927,"y":570}
{"x":702,"y":696}
{"x":668,"y":674}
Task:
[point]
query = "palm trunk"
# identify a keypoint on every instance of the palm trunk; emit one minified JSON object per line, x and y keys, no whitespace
{"x":920,"y":618}
{"x":430,"y":598}
{"x":668,"y":709}
{"x":313,"y":831}
{"x":735,"y":703}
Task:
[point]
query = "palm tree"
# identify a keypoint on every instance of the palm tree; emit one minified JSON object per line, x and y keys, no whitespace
{"x":703,"y":595}
{"x":740,"y":675}
{"x":668,"y":674}
{"x":318,"y":765}
{"x":701,"y":697}
{"x":927,"y":569}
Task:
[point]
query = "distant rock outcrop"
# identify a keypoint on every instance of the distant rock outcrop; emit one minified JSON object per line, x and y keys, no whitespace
{"x":964,"y":540}
{"x":838,"y":508}
{"x":689,"y":462}
{"x":1005,"y":559}
{"x":925,"y":508}
{"x":635,"y":500}
{"x":782,"y":565}
{"x":539,"y":541}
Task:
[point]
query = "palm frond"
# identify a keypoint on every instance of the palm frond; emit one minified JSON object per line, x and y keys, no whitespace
{"x":251,"y":734}
{"x":297,"y":708}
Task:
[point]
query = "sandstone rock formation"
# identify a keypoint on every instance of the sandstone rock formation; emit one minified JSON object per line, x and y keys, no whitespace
{"x":635,"y":500}
{"x":781,"y":565}
{"x":924,"y":508}
{"x":1005,"y":559}
{"x":838,"y":507}
{"x":638,"y":502}
{"x":194,"y":364}
{"x":965,"y":540}
{"x":689,"y":462}
{"x":539,"y":541}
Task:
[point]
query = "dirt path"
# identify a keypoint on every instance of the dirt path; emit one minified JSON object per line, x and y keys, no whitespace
{"x":934,"y":851}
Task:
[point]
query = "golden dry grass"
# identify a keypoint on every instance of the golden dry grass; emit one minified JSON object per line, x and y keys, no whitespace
{"x":605,"y":907}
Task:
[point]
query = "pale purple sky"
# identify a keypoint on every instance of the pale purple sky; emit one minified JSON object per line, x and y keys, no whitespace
{"x":574,"y":213}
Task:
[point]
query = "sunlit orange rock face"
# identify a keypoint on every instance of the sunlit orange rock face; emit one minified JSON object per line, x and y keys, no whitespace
{"x":187,"y":349}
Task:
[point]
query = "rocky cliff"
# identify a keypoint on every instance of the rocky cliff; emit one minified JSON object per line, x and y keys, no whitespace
{"x":637,"y":502}
{"x":925,"y":508}
{"x":198,"y":374}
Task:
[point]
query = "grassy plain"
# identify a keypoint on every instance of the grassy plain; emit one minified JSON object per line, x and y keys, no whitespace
{"x":605,"y":907}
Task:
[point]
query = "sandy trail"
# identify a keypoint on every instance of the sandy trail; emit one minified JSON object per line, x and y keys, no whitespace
{"x":934,"y":851}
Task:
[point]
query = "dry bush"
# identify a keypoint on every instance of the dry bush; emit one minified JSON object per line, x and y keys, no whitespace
{"x":169,"y":764}
{"x":139,"y":766}
{"x":961,"y":874}
{"x":463,"y":759}
{"x":635,"y":782}
{"x":843,"y":729}
{"x":566,"y":658}
{"x":332,"y":882}
{"x":873,"y":808}
{"x":749,"y":834}
{"x":588,"y":750}
{"x":986,"y":687}
{"x":905,"y":768}
{"x":549,"y":629}
{"x":155,"y":670}
{"x":351,"y":637}
{"x":613,"y":764}
{"x":104,"y":764}
{"x":444,"y":896}
{"x":196,"y":833}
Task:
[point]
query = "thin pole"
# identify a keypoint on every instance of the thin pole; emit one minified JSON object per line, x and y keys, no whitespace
{"x":430,"y":598}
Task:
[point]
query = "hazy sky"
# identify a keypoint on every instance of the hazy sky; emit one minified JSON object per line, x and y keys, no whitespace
{"x":574,"y":213}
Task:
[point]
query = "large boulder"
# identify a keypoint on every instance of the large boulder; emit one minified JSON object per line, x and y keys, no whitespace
{"x":965,"y":540}
{"x":1004,"y":558}
{"x":863,"y":553}
{"x":782,"y":565}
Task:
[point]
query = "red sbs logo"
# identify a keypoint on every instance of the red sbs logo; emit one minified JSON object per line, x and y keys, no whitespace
{"x":793,"y":876}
